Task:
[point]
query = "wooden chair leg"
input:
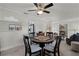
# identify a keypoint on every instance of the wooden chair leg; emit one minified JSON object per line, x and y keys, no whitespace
{"x":58,"y":53}
{"x":25,"y":52}
{"x":54,"y":53}
{"x":40,"y":53}
{"x":43,"y":52}
{"x":29,"y":54}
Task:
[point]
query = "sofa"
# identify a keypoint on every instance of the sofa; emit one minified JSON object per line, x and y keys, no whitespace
{"x":74,"y":37}
{"x":73,"y":41}
{"x":75,"y":46}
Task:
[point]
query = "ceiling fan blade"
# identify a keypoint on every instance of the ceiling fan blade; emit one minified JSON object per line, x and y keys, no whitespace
{"x":36,"y":4}
{"x":49,"y":5}
{"x":46,"y":11}
{"x":31,"y":10}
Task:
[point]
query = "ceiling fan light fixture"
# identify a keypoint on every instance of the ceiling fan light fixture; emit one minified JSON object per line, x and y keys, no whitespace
{"x":41,"y":8}
{"x":40,"y":12}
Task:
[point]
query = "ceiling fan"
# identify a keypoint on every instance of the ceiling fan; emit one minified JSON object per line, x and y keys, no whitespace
{"x":40,"y":8}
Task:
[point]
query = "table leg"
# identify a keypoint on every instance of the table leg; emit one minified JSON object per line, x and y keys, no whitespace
{"x":42,"y":51}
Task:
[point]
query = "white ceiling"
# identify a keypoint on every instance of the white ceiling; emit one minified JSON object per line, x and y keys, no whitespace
{"x":60,"y":11}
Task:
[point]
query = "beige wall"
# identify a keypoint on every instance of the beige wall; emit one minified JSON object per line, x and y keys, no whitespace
{"x":10,"y":39}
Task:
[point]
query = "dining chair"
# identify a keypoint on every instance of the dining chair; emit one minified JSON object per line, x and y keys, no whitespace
{"x":40,"y":33}
{"x":37,"y":34}
{"x":49,"y":34}
{"x":54,"y":48}
{"x":31,"y":49}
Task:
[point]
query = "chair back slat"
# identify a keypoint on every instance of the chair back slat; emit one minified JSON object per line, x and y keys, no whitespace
{"x":59,"y":41}
{"x":27,"y":43}
{"x":57,"y":45}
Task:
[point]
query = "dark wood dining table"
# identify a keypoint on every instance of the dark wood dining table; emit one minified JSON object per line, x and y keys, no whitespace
{"x":42,"y":40}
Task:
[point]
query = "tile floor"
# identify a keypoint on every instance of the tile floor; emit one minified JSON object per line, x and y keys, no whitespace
{"x":66,"y":50}
{"x":19,"y":51}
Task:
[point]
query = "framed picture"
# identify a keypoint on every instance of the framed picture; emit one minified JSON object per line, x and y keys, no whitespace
{"x":18,"y":27}
{"x":11,"y":27}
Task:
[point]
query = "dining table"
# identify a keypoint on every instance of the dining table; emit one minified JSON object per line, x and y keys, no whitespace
{"x":42,"y":40}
